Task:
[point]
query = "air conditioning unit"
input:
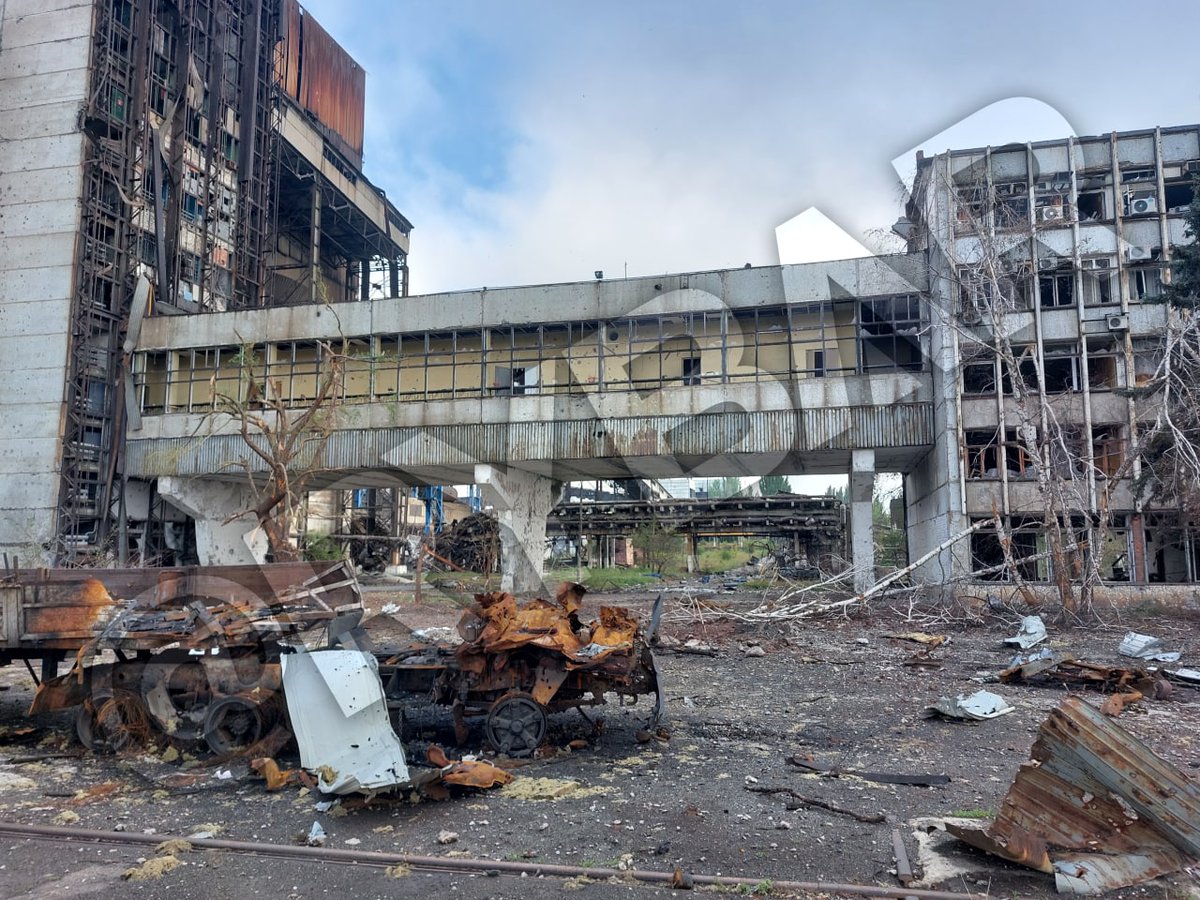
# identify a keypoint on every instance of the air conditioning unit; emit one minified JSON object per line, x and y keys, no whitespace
{"x":1133,"y":253}
{"x":1050,"y":214}
{"x":1117,"y":322}
{"x":1192,"y":168}
{"x":1143,"y":204}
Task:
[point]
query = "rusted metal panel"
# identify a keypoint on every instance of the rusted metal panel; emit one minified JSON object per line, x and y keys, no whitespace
{"x":287,"y":65}
{"x":1098,"y":808}
{"x":332,"y":85}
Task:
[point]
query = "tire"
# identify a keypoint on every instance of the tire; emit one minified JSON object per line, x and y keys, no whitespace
{"x":233,"y":725}
{"x":516,"y":724}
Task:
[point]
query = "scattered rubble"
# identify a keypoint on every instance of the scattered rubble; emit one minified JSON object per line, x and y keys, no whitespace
{"x":1143,"y":646}
{"x":1031,"y":633}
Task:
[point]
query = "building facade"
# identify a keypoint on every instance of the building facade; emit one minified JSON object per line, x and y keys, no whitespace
{"x":159,"y":159}
{"x":1048,"y":263}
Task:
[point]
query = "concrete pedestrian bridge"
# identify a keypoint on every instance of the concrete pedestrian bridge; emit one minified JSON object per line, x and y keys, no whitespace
{"x":817,"y":368}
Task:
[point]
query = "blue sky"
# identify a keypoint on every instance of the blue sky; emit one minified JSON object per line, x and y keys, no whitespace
{"x":534,"y":142}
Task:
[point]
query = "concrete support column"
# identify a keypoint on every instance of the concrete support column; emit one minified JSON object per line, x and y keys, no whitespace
{"x":693,"y":560}
{"x":522,"y":501}
{"x":219,"y":542}
{"x":364,"y":280}
{"x":862,"y":537}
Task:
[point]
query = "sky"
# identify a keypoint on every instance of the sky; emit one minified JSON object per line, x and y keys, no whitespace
{"x":533,"y":142}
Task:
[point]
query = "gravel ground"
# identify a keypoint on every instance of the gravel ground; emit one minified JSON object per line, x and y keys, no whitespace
{"x":836,"y":691}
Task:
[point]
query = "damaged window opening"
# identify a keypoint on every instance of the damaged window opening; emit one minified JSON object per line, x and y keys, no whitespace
{"x":1103,"y":371}
{"x":1098,"y":281}
{"x":1172,"y":549}
{"x":1178,"y":196}
{"x":988,"y":558}
{"x":1147,"y":359}
{"x":1056,"y":288}
{"x":1012,"y":205}
{"x":1146,"y":283}
{"x":1092,"y":206}
{"x":970,"y":207}
{"x":1108,"y":449}
{"x":979,"y":378}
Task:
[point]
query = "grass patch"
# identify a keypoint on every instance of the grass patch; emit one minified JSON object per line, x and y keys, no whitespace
{"x":602,"y":579}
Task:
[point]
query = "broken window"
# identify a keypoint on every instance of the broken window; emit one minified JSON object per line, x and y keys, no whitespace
{"x":970,"y":207}
{"x":1108,"y":449}
{"x":1012,"y":205}
{"x":979,"y":378}
{"x":1115,"y":552}
{"x":889,"y":332}
{"x":691,"y":370}
{"x":1060,"y":368}
{"x":1017,"y":460}
{"x":1053,"y":199}
{"x":1102,"y":357}
{"x":1092,"y":206}
{"x":1146,"y":283}
{"x":1147,"y":358}
{"x":1141,"y":202}
{"x":988,"y":558}
{"x":1099,"y":279}
{"x":1056,"y":286}
{"x":1178,"y":195}
{"x":1172,"y":549}
{"x":983,"y":454}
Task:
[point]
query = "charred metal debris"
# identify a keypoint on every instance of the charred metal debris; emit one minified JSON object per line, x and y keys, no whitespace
{"x":242,"y":658}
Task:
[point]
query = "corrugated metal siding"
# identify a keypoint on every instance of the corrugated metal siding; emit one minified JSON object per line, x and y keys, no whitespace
{"x":322,"y":77}
{"x":705,"y":435}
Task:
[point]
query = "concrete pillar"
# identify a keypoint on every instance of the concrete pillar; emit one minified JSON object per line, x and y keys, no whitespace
{"x":316,"y":292}
{"x":862,"y":537}
{"x":219,"y":540}
{"x":693,"y":560}
{"x":522,"y":501}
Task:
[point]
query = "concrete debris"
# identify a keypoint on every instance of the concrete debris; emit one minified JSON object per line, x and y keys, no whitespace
{"x":1097,"y":808}
{"x":1031,"y":633}
{"x":979,"y":706}
{"x":1144,"y":646}
{"x":755,"y":650}
{"x":447,"y":837}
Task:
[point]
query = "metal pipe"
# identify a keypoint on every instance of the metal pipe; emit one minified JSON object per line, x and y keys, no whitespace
{"x":442,"y":863}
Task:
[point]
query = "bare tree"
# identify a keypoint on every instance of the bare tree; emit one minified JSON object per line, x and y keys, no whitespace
{"x":286,"y":442}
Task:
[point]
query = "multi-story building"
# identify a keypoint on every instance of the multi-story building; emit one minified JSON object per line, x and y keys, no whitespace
{"x":1046,"y":263}
{"x":165,"y":158}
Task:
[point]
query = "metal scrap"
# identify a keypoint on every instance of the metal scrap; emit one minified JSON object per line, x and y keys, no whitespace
{"x":1031,"y":633}
{"x":339,"y":715}
{"x":979,"y":706}
{"x":1063,"y":669}
{"x":1144,"y":646}
{"x":1097,"y":808}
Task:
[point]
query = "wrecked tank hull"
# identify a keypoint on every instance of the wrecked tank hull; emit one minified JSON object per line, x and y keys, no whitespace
{"x":520,"y":661}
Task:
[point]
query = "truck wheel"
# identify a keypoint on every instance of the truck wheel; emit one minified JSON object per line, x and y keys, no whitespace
{"x":516,"y":724}
{"x":233,"y":724}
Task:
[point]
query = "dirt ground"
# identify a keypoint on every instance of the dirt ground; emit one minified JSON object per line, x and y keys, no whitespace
{"x":835,"y":690}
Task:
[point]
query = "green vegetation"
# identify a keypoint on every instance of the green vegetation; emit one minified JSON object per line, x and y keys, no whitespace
{"x":973,"y":813}
{"x":770,"y":485}
{"x":662,"y":548}
{"x":605,"y":579}
{"x":322,"y":547}
{"x":723,"y":556}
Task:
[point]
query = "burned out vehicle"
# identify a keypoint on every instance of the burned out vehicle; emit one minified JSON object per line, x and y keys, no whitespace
{"x":194,"y":653}
{"x":189,"y":651}
{"x":520,"y":661}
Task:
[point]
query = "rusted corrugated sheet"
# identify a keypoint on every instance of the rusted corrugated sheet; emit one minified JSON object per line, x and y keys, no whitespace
{"x":287,"y":69}
{"x":1100,"y":810}
{"x":332,"y":86}
{"x":679,"y":437}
